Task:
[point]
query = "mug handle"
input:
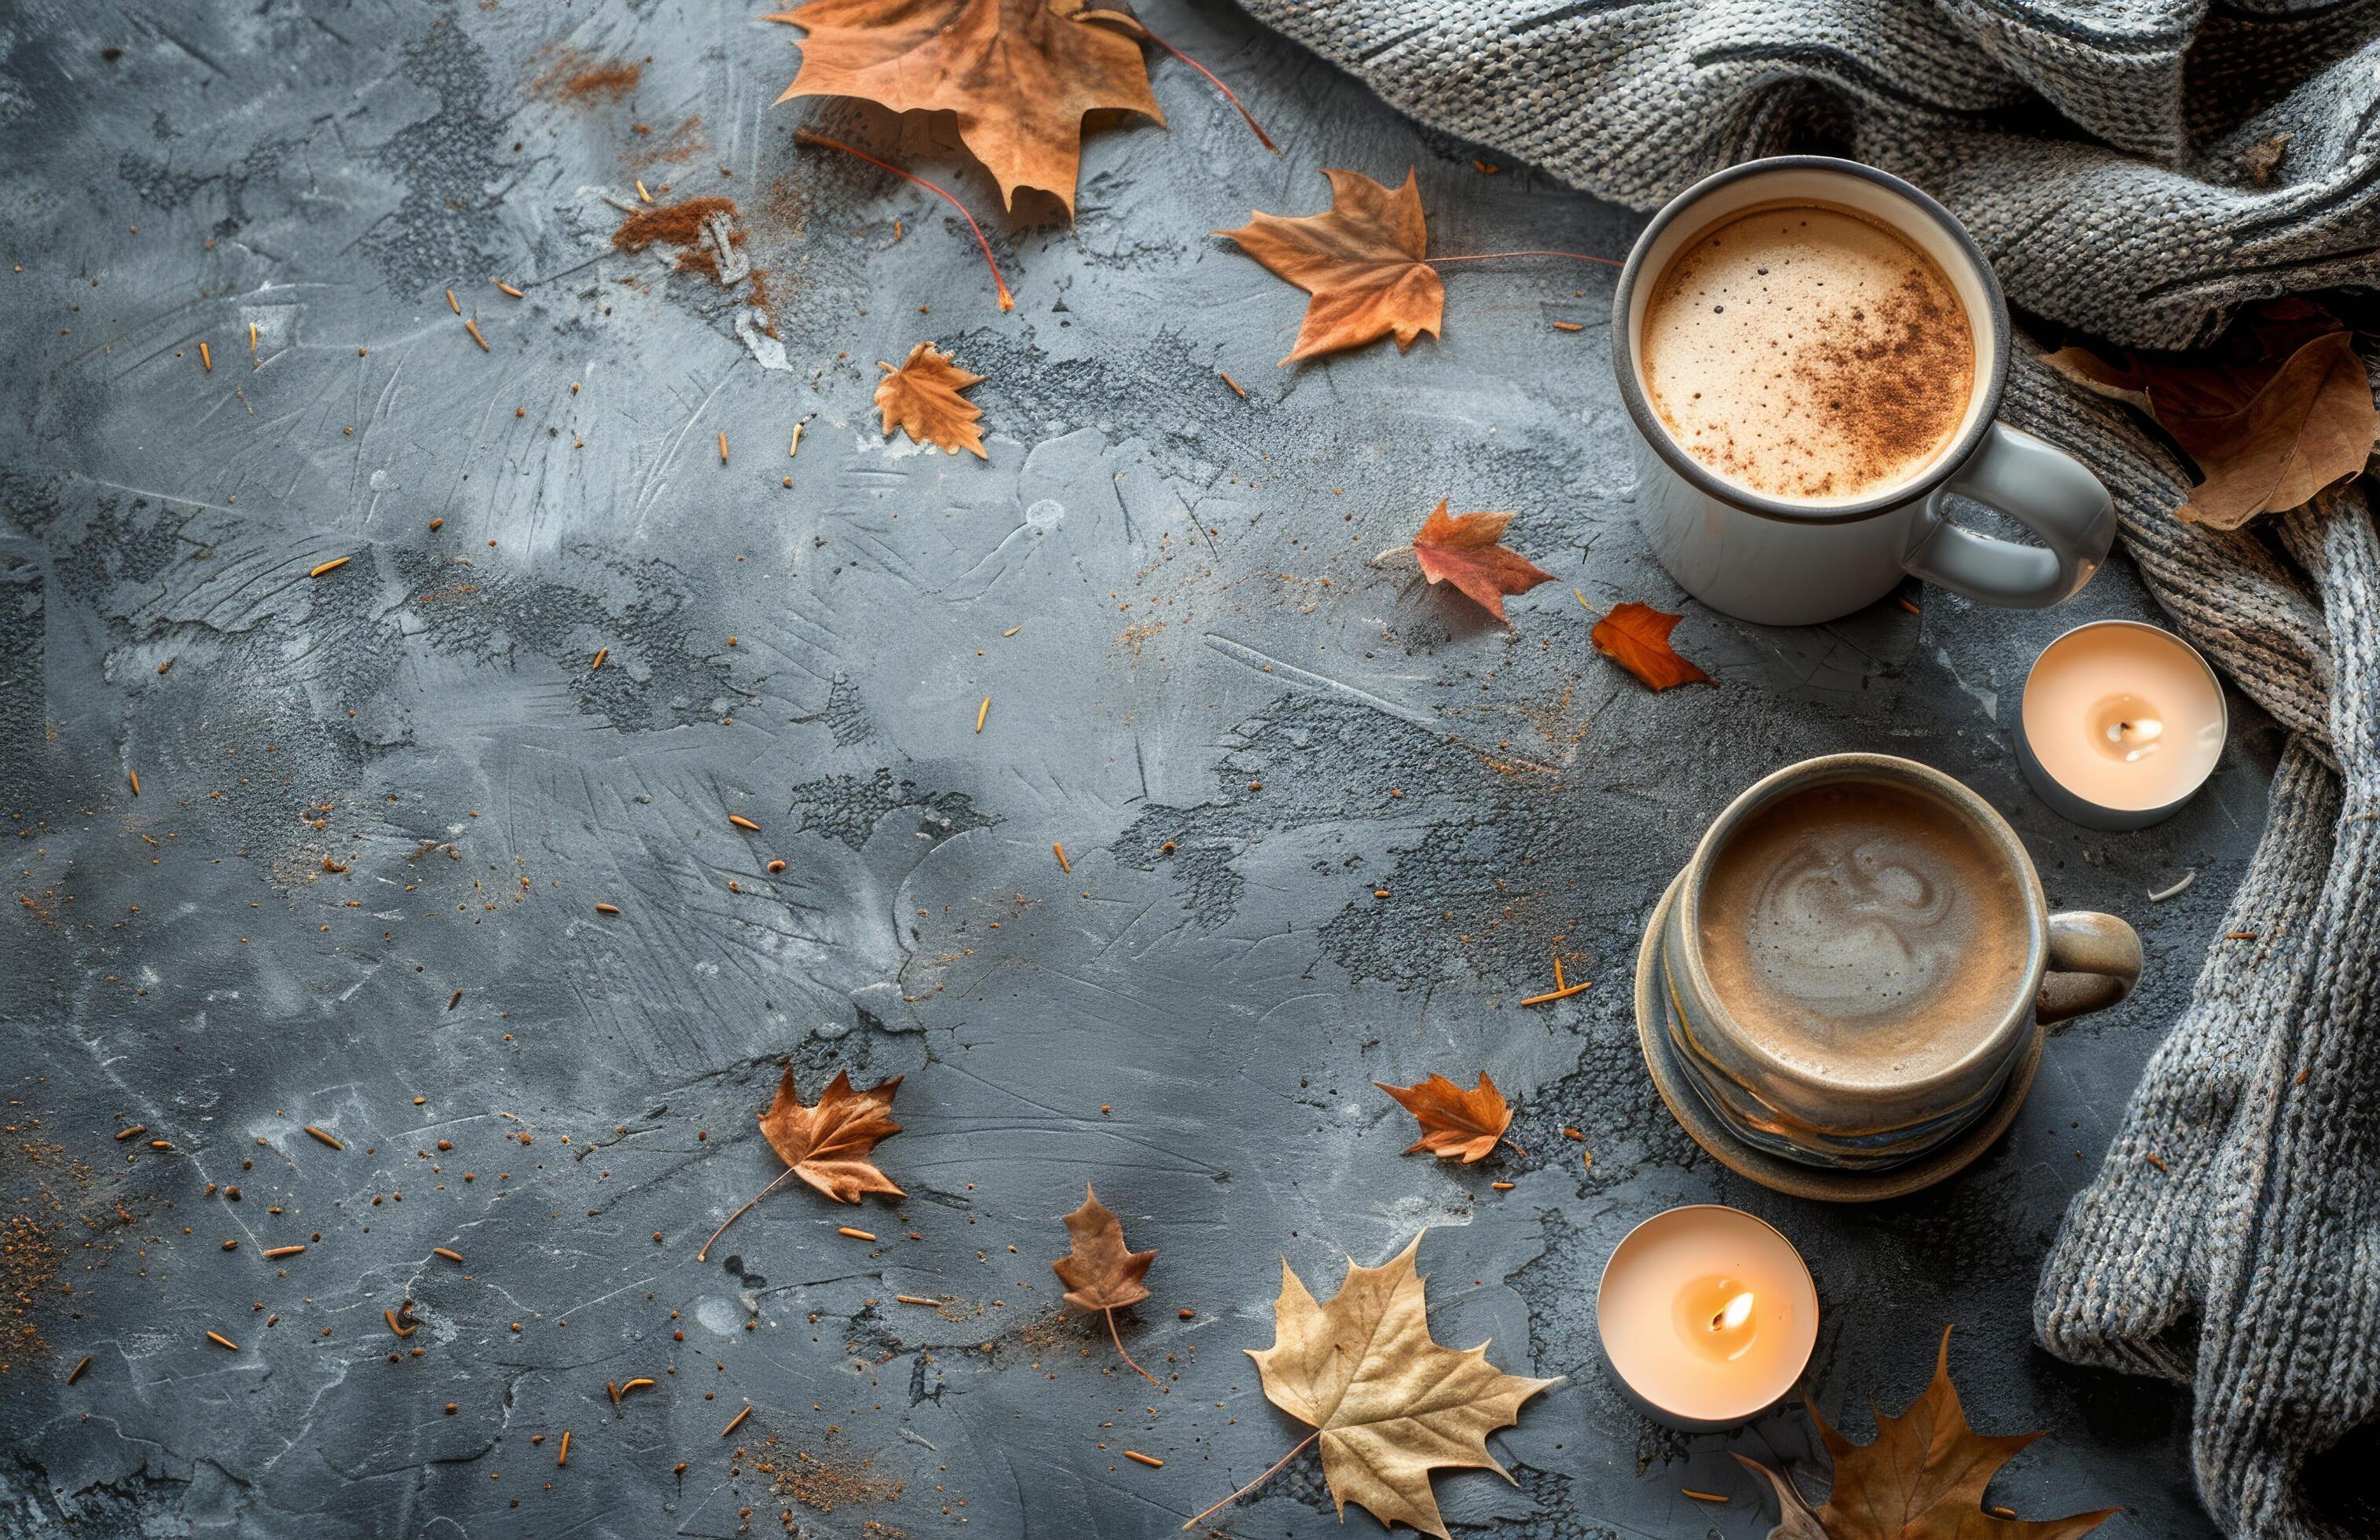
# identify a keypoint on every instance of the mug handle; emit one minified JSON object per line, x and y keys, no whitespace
{"x":2094,"y":960}
{"x":2041,"y":487}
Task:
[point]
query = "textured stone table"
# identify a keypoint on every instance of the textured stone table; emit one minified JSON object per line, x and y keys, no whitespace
{"x":1326,"y":825}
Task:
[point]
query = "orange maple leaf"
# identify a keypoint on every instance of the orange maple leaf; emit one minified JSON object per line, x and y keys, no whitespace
{"x":1099,"y":1273}
{"x":922,"y":398}
{"x":1637,"y":637}
{"x":1456,"y":1125}
{"x":1922,"y":1478}
{"x":1018,"y":73}
{"x":1362,"y":262}
{"x":826,"y":1145}
{"x":1463,"y":549}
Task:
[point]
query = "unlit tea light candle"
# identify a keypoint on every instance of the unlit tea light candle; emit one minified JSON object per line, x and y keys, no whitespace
{"x":1708,"y":1317}
{"x":2121,"y":724}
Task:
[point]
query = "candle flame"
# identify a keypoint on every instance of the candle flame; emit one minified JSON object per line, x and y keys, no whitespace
{"x":1737,"y":1311}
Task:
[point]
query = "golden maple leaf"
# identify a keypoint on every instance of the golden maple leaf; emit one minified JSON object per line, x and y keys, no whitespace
{"x":1362,"y":262}
{"x":922,"y":398}
{"x":1466,"y":551}
{"x":1922,"y":1479}
{"x":1099,"y":1272}
{"x":1456,"y":1125}
{"x":1388,"y":1404}
{"x":1637,"y":637}
{"x":1018,"y":73}
{"x":828,"y":1145}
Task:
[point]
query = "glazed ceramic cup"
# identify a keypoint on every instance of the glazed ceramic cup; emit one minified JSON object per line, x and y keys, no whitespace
{"x":1870,"y":1116}
{"x":1785,"y":563}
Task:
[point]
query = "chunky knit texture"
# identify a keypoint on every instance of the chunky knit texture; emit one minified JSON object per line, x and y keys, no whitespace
{"x":2138,"y":169}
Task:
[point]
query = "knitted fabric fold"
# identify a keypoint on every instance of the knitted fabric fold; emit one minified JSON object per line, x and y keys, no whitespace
{"x":2138,"y":169}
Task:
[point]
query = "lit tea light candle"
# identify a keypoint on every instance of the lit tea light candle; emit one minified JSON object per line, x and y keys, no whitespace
{"x":1708,"y":1317}
{"x":2121,"y":724}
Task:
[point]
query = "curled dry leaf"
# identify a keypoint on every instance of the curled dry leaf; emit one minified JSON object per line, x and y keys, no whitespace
{"x":2279,"y":410}
{"x":1019,"y":75}
{"x":1637,"y":637}
{"x":1099,"y":1273}
{"x":922,"y":398}
{"x":1456,"y":1125}
{"x":1362,"y":262}
{"x":1465,"y":550}
{"x":1388,"y":1404}
{"x":1922,"y":1478}
{"x":828,"y":1145}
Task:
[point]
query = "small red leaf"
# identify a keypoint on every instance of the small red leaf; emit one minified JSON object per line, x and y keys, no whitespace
{"x":1637,"y":637}
{"x":1463,"y":548}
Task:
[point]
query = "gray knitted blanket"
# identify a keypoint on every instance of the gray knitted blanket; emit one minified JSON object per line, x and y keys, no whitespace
{"x":2138,"y":169}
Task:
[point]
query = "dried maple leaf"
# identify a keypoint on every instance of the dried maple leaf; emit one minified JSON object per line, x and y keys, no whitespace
{"x":1388,"y":1404}
{"x":1922,"y":1479}
{"x":1018,"y":73}
{"x":2276,"y":412}
{"x":1363,"y":263}
{"x":1637,"y":637}
{"x":1099,"y":1273}
{"x":826,"y":1145}
{"x":1456,"y":1125}
{"x":1463,"y":549}
{"x":922,"y":398}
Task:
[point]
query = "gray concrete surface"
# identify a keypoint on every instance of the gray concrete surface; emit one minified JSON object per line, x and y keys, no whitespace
{"x":364,"y":792}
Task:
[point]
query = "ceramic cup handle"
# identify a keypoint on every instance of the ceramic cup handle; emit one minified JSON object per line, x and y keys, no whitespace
{"x":2042,"y":488}
{"x":2094,"y":960}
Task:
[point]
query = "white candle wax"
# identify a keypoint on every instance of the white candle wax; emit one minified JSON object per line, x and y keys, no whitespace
{"x":1707,"y":1315}
{"x":2123,"y":716}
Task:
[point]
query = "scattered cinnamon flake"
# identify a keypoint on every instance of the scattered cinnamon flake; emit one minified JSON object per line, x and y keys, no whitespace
{"x":473,"y":327}
{"x":449,"y":1256}
{"x":2003,"y":1512}
{"x":613,"y":1390}
{"x":76,"y":1373}
{"x":722,"y":446}
{"x":641,"y":193}
{"x":1236,"y":388}
{"x":282,"y":1251}
{"x":982,"y":711}
{"x":853,"y":1233}
{"x":327,"y":1138}
{"x":740,"y":822}
{"x":207,"y":358}
{"x":251,"y":339}
{"x":508,"y":288}
{"x":1149,"y":1460}
{"x":601,"y":653}
{"x":642,"y":1382}
{"x":2302,"y":1075}
{"x":219,"y":1340}
{"x":1012,"y":630}
{"x":334,"y":565}
{"x":402,"y":1329}
{"x":454,"y":304}
{"x":1501,"y":1186}
{"x":1569,"y":1133}
{"x":122,"y":1134}
{"x":738,"y":1421}
{"x":164,"y":666}
{"x":2240,"y":934}
{"x":454,"y":999}
{"x":1556,"y":994}
{"x":2154,"y":1159}
{"x":562,"y":1456}
{"x":1700,"y":1497}
{"x":1063,"y":865}
{"x":607,"y":908}
{"x":136,"y":782}
{"x":913,"y":1299}
{"x":1569,"y":326}
{"x":1911,"y":608}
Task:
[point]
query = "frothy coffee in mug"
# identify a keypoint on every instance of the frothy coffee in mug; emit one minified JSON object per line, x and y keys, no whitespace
{"x":1864,"y":931}
{"x":1808,"y":353}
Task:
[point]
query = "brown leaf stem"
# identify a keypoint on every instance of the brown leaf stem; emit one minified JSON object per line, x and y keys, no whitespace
{"x":1113,"y":1337}
{"x":704,"y":1253}
{"x":1007,"y":300}
{"x":1260,"y":1480}
{"x":1249,"y":118}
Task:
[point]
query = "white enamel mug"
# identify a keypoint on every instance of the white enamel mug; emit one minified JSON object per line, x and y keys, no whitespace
{"x":1783,"y":561}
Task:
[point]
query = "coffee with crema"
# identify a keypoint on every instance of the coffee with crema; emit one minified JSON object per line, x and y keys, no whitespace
{"x":1808,"y":353}
{"x":1866,"y":932}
